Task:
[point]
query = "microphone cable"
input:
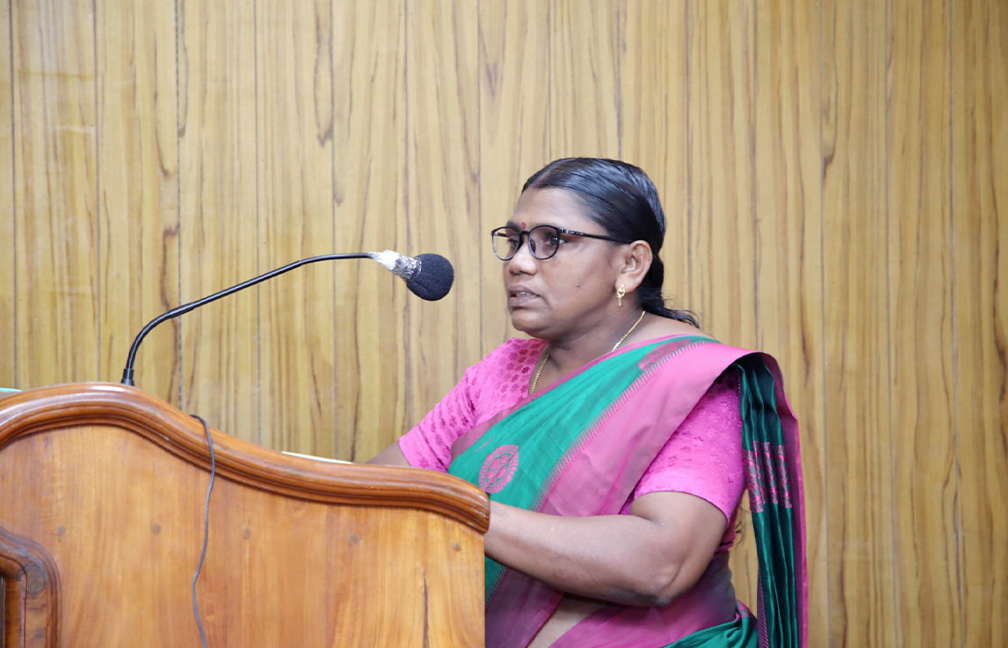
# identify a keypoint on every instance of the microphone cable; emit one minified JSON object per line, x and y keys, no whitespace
{"x":206,"y":527}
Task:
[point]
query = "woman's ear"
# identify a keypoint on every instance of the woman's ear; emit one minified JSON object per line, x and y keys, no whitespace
{"x":636,"y":263}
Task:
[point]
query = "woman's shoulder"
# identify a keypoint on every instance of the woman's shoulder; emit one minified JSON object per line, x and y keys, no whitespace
{"x":512,"y":355}
{"x":518,"y":346}
{"x":503,"y":374}
{"x":516,"y":351}
{"x":663,"y":327}
{"x":705,"y":355}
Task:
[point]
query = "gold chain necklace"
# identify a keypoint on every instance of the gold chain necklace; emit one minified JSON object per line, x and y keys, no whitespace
{"x":542,"y":364}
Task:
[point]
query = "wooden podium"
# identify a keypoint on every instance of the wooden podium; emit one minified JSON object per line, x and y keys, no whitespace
{"x":102,"y":498}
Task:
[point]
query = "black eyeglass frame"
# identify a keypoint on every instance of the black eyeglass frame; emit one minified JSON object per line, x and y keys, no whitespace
{"x":524,"y":235}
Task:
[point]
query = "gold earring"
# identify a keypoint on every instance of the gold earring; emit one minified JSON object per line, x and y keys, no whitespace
{"x":620,"y":292}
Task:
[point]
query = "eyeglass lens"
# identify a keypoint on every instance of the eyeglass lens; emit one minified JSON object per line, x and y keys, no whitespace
{"x":543,"y":241}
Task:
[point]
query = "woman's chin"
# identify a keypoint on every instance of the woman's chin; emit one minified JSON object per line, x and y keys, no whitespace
{"x":522,"y":322}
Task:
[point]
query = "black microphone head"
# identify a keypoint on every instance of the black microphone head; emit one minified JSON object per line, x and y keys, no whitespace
{"x":434,"y":279}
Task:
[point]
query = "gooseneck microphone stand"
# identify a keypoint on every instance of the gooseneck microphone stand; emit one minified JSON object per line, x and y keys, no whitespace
{"x":127,"y":378}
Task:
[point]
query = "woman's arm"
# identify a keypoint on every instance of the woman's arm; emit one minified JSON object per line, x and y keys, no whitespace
{"x":662,"y":547}
{"x":648,"y":557}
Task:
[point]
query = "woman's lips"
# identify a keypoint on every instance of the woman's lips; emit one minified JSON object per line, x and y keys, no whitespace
{"x":518,"y":297}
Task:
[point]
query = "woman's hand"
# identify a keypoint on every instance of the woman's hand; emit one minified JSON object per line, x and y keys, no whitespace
{"x":648,"y":557}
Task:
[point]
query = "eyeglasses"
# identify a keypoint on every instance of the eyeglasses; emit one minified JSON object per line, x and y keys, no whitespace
{"x":543,"y":240}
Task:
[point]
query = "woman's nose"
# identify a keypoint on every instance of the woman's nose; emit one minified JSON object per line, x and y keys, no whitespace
{"x":523,"y":261}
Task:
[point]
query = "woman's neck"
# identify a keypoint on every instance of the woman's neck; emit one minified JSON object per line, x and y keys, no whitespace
{"x":572,"y":353}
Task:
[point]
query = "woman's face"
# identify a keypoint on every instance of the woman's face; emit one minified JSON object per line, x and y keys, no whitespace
{"x":567,"y":295}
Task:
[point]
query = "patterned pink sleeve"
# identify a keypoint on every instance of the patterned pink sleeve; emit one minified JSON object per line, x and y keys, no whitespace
{"x":492,"y":385}
{"x":704,"y":456}
{"x":428,"y":444}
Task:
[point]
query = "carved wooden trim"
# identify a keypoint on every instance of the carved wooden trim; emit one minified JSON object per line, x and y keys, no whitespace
{"x":50,"y":408}
{"x":31,"y":587}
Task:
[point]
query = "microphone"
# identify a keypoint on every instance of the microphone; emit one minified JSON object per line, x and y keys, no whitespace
{"x":428,"y":276}
{"x":432,"y":284}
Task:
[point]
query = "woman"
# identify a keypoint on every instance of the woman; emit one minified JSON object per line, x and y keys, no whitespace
{"x":616,"y":442}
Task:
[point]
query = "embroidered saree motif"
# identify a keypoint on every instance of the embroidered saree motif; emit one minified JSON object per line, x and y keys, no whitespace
{"x":498,"y":468}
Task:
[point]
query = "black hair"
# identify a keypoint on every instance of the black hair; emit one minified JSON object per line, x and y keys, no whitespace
{"x":622,"y":199}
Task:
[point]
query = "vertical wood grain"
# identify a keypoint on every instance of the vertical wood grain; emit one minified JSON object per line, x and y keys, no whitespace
{"x":294,"y":105}
{"x":514,"y":86}
{"x":8,"y":265}
{"x":653,"y":120}
{"x":924,"y":480}
{"x":584,"y":71}
{"x":980,"y":235}
{"x":138,"y":190}
{"x":55,"y":181}
{"x":861,"y":545}
{"x":219,"y":229}
{"x":722,"y":200}
{"x":442,"y":95}
{"x":369,"y":141}
{"x":789,"y":290}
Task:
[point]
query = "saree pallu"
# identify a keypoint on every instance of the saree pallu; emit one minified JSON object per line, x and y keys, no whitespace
{"x":580,"y":447}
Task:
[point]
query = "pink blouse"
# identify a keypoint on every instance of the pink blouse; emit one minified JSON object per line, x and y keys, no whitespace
{"x":702,"y":458}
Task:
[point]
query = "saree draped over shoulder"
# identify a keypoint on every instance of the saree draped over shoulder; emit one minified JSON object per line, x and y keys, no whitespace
{"x":580,"y":447}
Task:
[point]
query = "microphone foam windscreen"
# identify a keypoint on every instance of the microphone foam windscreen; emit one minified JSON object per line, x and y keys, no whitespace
{"x":434,"y":279}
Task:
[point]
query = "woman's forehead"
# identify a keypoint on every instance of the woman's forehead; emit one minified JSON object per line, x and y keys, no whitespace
{"x":550,"y":206}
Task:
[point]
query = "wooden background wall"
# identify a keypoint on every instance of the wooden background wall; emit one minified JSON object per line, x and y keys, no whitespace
{"x":835,"y":173}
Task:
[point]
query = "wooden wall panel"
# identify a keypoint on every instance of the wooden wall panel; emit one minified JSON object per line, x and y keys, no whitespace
{"x":55,"y":217}
{"x":858,"y":476}
{"x":980,"y":234}
{"x":294,"y":126}
{"x":8,"y":332}
{"x":584,"y":92}
{"x":653,"y":121}
{"x":789,"y":266}
{"x":138,"y":190}
{"x":442,"y":96}
{"x":924,"y":484}
{"x":721,"y":193}
{"x":219,"y":219}
{"x":369,"y":141}
{"x":514,"y":86}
